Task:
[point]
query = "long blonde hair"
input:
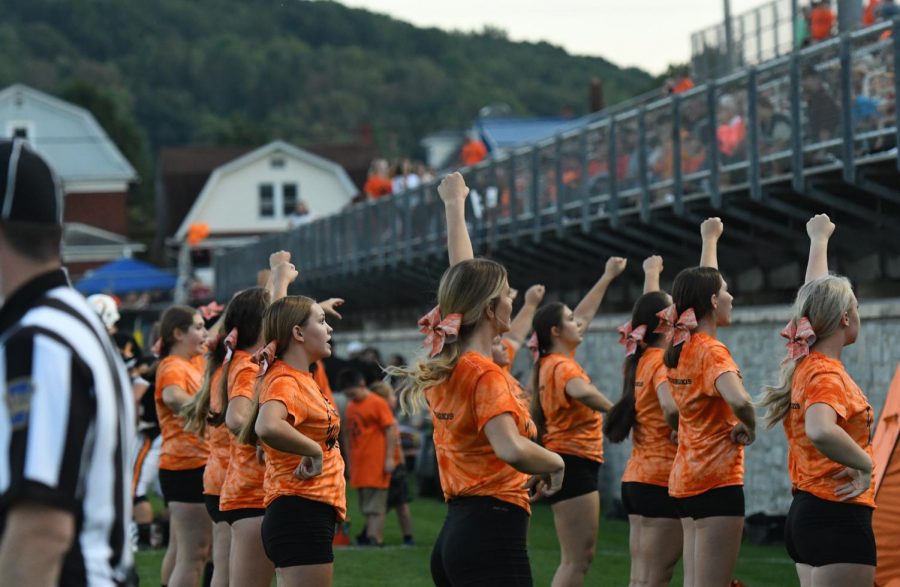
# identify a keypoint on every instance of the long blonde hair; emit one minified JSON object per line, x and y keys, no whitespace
{"x":468,"y":288}
{"x":823,"y":301}
{"x":278,"y":326}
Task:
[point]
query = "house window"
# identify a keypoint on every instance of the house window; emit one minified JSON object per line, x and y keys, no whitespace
{"x":266,"y":200}
{"x":289,"y":193}
{"x":20,"y":132}
{"x":277,"y":162}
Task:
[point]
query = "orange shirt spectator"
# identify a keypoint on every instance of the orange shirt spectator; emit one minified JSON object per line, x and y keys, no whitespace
{"x":822,"y":380}
{"x":367,"y":420}
{"x":219,"y":440}
{"x":377,"y":187}
{"x":652,"y":449}
{"x":571,"y":427}
{"x":180,"y":450}
{"x":477,"y":391}
{"x":821,"y":21}
{"x":682,"y":85}
{"x":243,"y":485}
{"x":473,"y":152}
{"x":706,"y":457}
{"x":868,"y":18}
{"x":310,"y":413}
{"x":731,"y":136}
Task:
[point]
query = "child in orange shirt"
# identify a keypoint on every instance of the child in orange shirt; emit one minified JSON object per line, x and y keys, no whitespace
{"x":183,"y":455}
{"x":648,"y":412}
{"x":298,"y":428}
{"x":370,"y":427}
{"x":715,"y":419}
{"x":828,"y":423}
{"x":482,"y":429}
{"x":566,"y":407}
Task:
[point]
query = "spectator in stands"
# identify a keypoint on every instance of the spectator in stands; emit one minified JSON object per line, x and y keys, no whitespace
{"x":378,"y":183}
{"x":821,"y":21}
{"x":732,"y":130}
{"x":822,"y":109}
{"x":887,"y":10}
{"x":774,"y":132}
{"x":801,"y":28}
{"x":680,"y":84}
{"x":473,"y":151}
{"x":870,"y":12}
{"x":300,"y":215}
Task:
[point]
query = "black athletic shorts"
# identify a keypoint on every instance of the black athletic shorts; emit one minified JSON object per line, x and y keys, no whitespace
{"x":232,"y":516}
{"x":483,"y":542}
{"x":819,"y":532}
{"x":398,"y":492}
{"x":721,"y":501}
{"x":297,"y":531}
{"x":182,"y":486}
{"x":649,"y":501}
{"x":212,"y":508}
{"x":580,"y":478}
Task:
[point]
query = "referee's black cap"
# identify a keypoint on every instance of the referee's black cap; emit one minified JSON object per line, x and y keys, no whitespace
{"x":29,"y":191}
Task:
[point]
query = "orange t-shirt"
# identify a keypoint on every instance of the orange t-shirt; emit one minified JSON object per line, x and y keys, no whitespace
{"x":243,"y":486}
{"x":199,"y":362}
{"x":821,"y":21}
{"x":309,"y":412}
{"x":377,"y":186}
{"x":706,"y":457}
{"x":571,"y":427}
{"x":321,"y":379}
{"x":180,"y":450}
{"x":219,"y":440}
{"x":822,"y":380}
{"x":652,"y":450}
{"x":473,"y":152}
{"x":366,"y":421}
{"x":477,"y":391}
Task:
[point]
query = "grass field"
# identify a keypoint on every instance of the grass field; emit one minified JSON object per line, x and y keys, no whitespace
{"x":395,"y":565}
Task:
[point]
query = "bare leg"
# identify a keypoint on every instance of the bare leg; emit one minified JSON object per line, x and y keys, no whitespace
{"x":168,"y":564}
{"x":804,"y":573}
{"x":193,"y":529}
{"x":656,"y":550}
{"x":689,"y":530}
{"x":577,"y":521}
{"x":306,"y":576}
{"x":220,"y":551}
{"x":249,"y":565}
{"x":404,"y":517}
{"x":843,"y":575}
{"x":143,"y":512}
{"x":717,"y":544}
{"x":375,"y":528}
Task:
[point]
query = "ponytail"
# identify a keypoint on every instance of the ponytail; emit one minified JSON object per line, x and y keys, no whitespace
{"x":196,"y":412}
{"x":777,"y":398}
{"x":620,"y":420}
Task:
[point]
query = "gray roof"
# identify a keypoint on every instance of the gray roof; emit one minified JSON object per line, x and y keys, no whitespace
{"x":67,"y":136}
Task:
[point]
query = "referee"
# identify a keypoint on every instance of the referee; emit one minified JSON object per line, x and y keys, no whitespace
{"x":66,"y":415}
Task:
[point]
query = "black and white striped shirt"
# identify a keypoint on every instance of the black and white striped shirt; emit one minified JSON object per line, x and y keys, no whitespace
{"x":67,"y":424}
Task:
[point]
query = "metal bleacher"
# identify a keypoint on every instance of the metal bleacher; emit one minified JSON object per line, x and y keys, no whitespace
{"x":765,"y":148}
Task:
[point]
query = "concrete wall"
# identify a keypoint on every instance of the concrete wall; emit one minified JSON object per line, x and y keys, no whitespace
{"x":754,"y":340}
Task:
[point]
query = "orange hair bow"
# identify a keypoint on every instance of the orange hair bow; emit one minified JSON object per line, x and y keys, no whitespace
{"x":230,"y":342}
{"x":800,"y":336}
{"x":674,"y":327}
{"x":630,"y":337}
{"x":437,"y":331}
{"x":264,"y":357}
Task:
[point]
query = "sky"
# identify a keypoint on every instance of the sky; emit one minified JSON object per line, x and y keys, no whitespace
{"x":649,"y":34}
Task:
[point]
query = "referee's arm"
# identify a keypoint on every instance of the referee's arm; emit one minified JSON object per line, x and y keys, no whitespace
{"x":48,"y":411}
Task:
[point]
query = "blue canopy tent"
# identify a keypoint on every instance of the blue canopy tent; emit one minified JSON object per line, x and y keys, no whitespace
{"x":124,"y":276}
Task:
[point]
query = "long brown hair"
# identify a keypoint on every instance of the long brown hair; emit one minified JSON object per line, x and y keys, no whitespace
{"x":620,"y":420}
{"x":694,"y":288}
{"x":468,"y":288}
{"x":278,"y":326}
{"x":549,"y":316}
{"x":176,"y":317}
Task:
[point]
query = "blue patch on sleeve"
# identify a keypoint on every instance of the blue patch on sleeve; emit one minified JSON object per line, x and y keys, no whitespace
{"x":18,"y":400}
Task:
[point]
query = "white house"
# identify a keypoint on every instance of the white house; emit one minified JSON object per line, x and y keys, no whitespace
{"x":95,"y":176}
{"x":256,"y":193}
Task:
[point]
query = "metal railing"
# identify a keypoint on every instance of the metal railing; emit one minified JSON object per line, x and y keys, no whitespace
{"x":758,"y":35}
{"x":828,"y":107}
